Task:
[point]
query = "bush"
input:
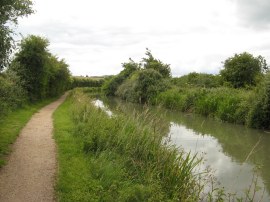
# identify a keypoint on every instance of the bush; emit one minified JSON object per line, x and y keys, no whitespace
{"x":140,"y":82}
{"x":152,"y":63}
{"x":198,"y":80}
{"x":126,"y":91}
{"x":30,"y":65}
{"x":259,"y":116}
{"x":42,"y":74}
{"x":111,"y":85}
{"x":143,"y":86}
{"x":12,"y":95}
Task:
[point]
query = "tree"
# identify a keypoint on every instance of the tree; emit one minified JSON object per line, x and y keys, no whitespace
{"x":243,"y":69}
{"x":110,"y":86}
{"x":30,"y":63}
{"x":10,"y":11}
{"x":59,"y":76}
{"x":149,"y":83}
{"x":152,"y":63}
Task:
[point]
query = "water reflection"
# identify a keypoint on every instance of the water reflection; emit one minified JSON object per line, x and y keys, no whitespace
{"x":234,"y":176}
{"x":99,"y":103}
{"x":232,"y":151}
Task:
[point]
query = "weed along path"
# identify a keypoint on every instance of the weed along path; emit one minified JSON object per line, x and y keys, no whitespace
{"x":30,"y":171}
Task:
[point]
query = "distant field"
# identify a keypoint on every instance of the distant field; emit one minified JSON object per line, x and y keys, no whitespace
{"x":91,"y":77}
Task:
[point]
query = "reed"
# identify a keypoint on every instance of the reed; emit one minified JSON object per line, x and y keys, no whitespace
{"x":124,"y":158}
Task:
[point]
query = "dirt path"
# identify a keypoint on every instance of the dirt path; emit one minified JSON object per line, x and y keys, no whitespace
{"x":30,"y":172}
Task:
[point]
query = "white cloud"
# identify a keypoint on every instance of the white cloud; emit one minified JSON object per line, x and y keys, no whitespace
{"x":95,"y":37}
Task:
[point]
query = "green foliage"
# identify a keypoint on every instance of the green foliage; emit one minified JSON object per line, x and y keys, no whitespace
{"x":126,"y":91}
{"x":142,"y":87}
{"x":30,"y":65}
{"x":41,"y":73}
{"x":59,"y":77}
{"x":10,"y":11}
{"x":12,"y":95}
{"x":243,"y":69}
{"x":139,"y":84}
{"x":259,"y":116}
{"x":225,"y":104}
{"x":149,"y":84}
{"x":111,"y":85}
{"x":152,"y":63}
{"x":197,"y":80}
{"x":119,"y":158}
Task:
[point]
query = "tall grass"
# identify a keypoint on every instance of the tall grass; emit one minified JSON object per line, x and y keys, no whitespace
{"x":120,"y":158}
{"x":225,"y":104}
{"x":128,"y":152}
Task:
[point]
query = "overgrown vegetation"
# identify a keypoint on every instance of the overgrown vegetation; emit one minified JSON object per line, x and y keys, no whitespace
{"x":139,"y":82}
{"x":42,"y":74}
{"x":124,"y":158}
{"x":226,"y":104}
{"x":120,"y":158}
{"x":33,"y":75}
{"x":12,"y":94}
{"x":259,"y":115}
{"x":230,"y":96}
{"x":111,"y":84}
{"x":194,"y":79}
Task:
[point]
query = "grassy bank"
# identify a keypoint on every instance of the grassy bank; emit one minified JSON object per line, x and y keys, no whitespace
{"x":120,"y":158}
{"x":104,"y":158}
{"x":12,"y":123}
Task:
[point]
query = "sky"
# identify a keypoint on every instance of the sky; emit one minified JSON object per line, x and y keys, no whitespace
{"x":96,"y":36}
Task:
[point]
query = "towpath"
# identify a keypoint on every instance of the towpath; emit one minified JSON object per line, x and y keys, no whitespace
{"x":30,"y":172}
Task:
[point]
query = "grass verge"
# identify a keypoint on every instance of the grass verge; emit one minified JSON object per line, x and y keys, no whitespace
{"x":11,"y":125}
{"x":73,"y":173}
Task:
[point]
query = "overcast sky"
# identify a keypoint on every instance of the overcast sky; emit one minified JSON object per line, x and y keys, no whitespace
{"x":96,"y":36}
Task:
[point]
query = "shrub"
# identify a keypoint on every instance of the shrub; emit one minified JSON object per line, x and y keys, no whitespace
{"x":111,"y":85}
{"x":259,"y":116}
{"x":152,"y":63}
{"x":12,"y":95}
{"x":197,"y":80}
{"x":30,"y":65}
{"x":42,"y":74}
{"x":143,"y":86}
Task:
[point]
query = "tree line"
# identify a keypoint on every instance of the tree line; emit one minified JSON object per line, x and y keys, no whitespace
{"x":33,"y":73}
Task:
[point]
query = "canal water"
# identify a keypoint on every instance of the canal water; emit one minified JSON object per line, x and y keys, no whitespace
{"x":238,"y":157}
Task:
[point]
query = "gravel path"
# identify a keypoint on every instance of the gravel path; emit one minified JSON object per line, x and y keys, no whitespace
{"x":29,"y":175}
